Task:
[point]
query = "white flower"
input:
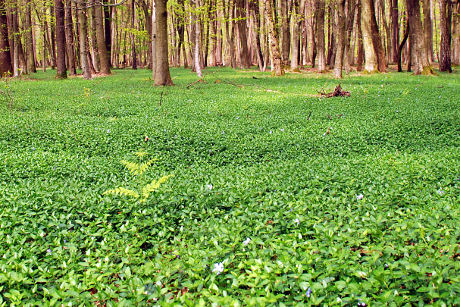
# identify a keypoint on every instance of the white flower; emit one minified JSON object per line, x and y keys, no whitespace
{"x":108,"y":130}
{"x":359,"y":197}
{"x":218,"y":268}
{"x":209,"y":187}
{"x":271,"y":132}
{"x":246,"y":242}
{"x":362,"y":274}
{"x":297,"y":221}
{"x":441,"y":192}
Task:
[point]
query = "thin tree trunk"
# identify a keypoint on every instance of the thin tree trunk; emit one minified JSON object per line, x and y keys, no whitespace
{"x":341,"y":36}
{"x":29,"y":42}
{"x":133,"y":37}
{"x":394,"y":30}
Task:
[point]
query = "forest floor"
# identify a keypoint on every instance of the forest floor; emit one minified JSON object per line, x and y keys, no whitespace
{"x":278,"y":195}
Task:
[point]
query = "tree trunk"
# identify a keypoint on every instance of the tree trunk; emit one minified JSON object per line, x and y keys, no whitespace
{"x":83,"y":27}
{"x":320,"y":12}
{"x":162,"y":74}
{"x":445,"y":62}
{"x":428,"y":29}
{"x":245,"y":60}
{"x":70,"y":45}
{"x":108,"y":31}
{"x":394,"y":30}
{"x":104,"y":59}
{"x":197,"y":39}
{"x":341,"y":33}
{"x":133,"y":37}
{"x":61,"y":72}
{"x":28,"y":39}
{"x":274,"y":39}
{"x":298,"y":13}
{"x":285,"y":34}
{"x":5,"y":57}
{"x":456,"y":35}
{"x":367,"y":26}
{"x":421,"y":65}
{"x":257,"y":27}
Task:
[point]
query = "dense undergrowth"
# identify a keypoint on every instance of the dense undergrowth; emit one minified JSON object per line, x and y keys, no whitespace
{"x":278,"y":196}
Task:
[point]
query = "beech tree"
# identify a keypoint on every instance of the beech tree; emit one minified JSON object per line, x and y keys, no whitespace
{"x":284,"y":35}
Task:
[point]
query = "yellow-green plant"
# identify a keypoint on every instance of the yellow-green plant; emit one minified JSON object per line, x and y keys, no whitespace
{"x":138,"y":169}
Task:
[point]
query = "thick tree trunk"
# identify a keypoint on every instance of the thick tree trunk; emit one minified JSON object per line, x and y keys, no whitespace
{"x":274,"y":39}
{"x":70,"y":45}
{"x":83,"y":35}
{"x":245,"y":60}
{"x":154,"y":40}
{"x":285,"y":34}
{"x":421,"y":65}
{"x":371,"y":64}
{"x":360,"y":52}
{"x":445,"y":61}
{"x":104,"y":59}
{"x":61,"y":72}
{"x":428,"y":29}
{"x":320,"y":12}
{"x":162,"y":74}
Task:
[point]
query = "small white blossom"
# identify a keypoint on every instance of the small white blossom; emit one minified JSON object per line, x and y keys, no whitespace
{"x":359,"y":197}
{"x":246,"y":242}
{"x":441,"y":192}
{"x":218,"y":268}
{"x":209,"y":187}
{"x":297,"y":221}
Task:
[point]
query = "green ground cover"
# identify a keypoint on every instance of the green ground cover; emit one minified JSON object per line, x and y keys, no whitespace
{"x":265,"y":207}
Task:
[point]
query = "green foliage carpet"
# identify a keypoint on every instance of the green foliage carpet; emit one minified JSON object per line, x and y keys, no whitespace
{"x":278,"y":196}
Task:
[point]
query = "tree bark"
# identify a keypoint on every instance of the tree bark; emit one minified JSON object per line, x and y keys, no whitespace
{"x":5,"y":57}
{"x":421,"y":65}
{"x":428,"y":29}
{"x":83,"y":35}
{"x":394,"y":30}
{"x":285,"y":34}
{"x":104,"y":59}
{"x":456,"y":35}
{"x":133,"y":37}
{"x":341,"y":33}
{"x":373,"y":50}
{"x":445,"y":61}
{"x":320,"y":12}
{"x":245,"y":60}
{"x":61,"y":72}
{"x":274,"y":40}
{"x":28,"y":39}
{"x":70,"y":45}
{"x":162,"y":74}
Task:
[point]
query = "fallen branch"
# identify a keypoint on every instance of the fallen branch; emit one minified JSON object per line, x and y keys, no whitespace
{"x":338,"y":92}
